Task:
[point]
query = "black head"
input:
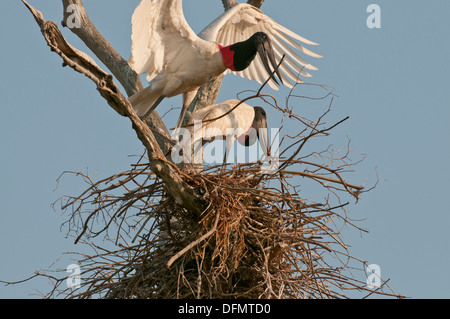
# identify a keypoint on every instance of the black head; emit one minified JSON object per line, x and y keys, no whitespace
{"x":260,"y":119}
{"x":245,"y":53}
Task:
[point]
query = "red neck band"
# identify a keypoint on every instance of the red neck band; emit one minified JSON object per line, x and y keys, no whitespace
{"x":244,"y":137}
{"x":227,"y":56}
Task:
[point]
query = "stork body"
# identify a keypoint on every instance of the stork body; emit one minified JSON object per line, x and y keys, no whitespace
{"x":183,"y":75}
{"x":230,"y":121}
{"x":179,"y":62}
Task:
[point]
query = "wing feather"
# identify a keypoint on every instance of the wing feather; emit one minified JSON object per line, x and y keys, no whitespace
{"x":158,"y":26}
{"x":296,"y":45}
{"x":241,"y":22}
{"x":241,"y":117}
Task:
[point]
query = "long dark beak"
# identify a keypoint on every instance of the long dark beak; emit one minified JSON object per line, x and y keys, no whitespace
{"x":263,"y":135}
{"x":265,"y":51}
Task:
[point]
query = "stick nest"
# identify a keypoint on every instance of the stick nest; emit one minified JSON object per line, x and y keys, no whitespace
{"x":251,"y":240}
{"x":258,"y":235}
{"x":244,"y":245}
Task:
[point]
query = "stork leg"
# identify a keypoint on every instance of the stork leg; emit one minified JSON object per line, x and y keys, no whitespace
{"x":150,"y":110}
{"x":187,"y":100}
{"x":182,"y":114}
{"x":224,"y":163}
{"x":229,"y":143}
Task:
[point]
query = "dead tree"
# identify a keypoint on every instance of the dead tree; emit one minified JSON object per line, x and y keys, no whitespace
{"x":239,"y":233}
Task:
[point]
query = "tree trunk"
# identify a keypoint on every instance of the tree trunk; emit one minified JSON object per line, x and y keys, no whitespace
{"x":118,"y":66}
{"x":182,"y":193}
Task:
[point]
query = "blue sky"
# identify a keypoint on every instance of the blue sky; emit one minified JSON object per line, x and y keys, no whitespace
{"x":392,"y":82}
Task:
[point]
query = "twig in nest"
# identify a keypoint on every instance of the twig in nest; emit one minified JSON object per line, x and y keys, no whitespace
{"x":195,"y":243}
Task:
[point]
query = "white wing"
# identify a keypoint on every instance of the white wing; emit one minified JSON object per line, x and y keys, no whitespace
{"x":158,"y":26}
{"x":240,"y":118}
{"x":241,"y":22}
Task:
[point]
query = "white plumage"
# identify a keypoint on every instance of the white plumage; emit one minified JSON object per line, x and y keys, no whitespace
{"x":212,"y":116}
{"x":230,"y":120}
{"x":165,"y":47}
{"x":177,"y":61}
{"x":243,"y":20}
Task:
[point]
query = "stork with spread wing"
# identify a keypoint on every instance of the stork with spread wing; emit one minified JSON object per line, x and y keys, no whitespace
{"x":243,"y":40}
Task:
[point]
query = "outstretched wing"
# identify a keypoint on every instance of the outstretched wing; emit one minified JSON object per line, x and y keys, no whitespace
{"x":159,"y":30}
{"x":241,"y":22}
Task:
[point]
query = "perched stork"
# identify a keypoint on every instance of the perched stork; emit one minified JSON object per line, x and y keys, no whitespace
{"x":230,"y":122}
{"x":178,"y":61}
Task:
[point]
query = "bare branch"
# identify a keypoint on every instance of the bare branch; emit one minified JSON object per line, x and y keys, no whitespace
{"x":195,"y":243}
{"x":256,"y":3}
{"x":181,"y":192}
{"x":96,"y":42}
{"x":118,"y":66}
{"x":228,"y":4}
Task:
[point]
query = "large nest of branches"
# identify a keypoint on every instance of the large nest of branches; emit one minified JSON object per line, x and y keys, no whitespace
{"x":251,"y":241}
{"x":256,"y":237}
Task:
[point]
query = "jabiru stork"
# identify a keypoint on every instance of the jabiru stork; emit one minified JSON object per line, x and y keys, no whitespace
{"x":178,"y":61}
{"x":230,"y":120}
